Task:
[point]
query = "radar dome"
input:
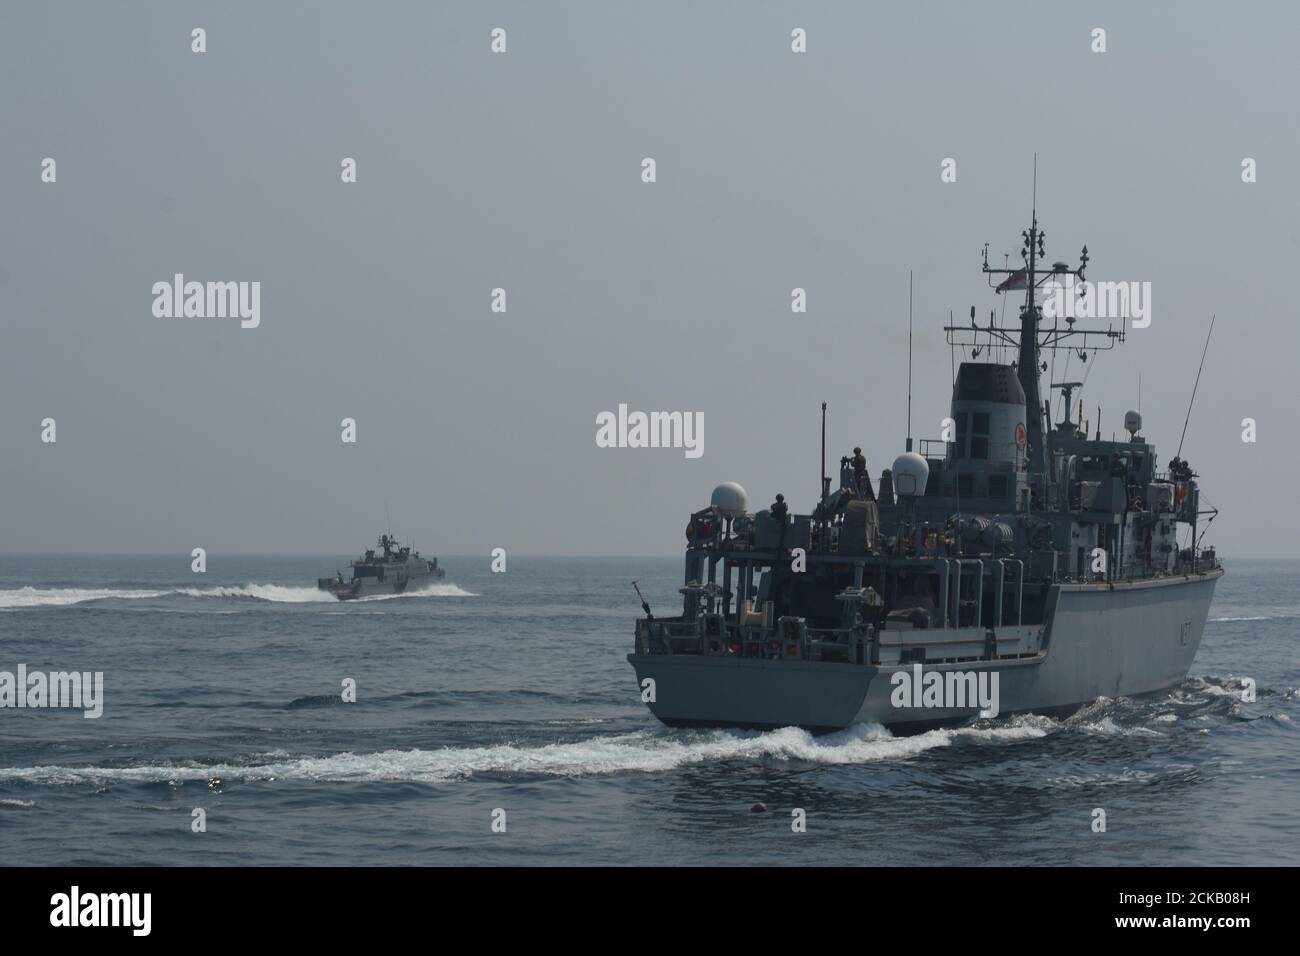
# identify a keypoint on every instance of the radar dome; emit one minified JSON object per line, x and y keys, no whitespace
{"x":730,"y":499}
{"x":910,"y":472}
{"x":1132,"y":422}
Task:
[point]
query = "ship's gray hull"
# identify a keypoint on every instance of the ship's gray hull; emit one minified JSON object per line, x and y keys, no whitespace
{"x":1101,"y":640}
{"x":392,"y":584}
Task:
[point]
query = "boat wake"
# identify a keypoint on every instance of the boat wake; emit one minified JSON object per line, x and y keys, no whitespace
{"x":1253,"y":618}
{"x":27,"y":597}
{"x":61,"y":597}
{"x":1198,"y":700}
{"x":444,"y":589}
{"x":263,"y":592}
{"x":641,"y":752}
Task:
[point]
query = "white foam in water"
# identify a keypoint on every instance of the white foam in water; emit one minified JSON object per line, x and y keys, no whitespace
{"x":264,"y":592}
{"x":627,"y":753}
{"x":1256,"y":613}
{"x":433,"y":590}
{"x":63,"y":597}
{"x":57,"y":597}
{"x":285,"y":595}
{"x":1107,"y":727}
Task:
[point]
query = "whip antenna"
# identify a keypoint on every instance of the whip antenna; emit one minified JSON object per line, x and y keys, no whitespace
{"x":909,"y":359}
{"x":1179,"y":453}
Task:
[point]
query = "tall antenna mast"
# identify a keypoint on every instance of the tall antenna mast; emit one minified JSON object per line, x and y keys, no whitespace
{"x":826,"y":482}
{"x":1179,"y":453}
{"x":909,"y":359}
{"x":1027,"y":360}
{"x":1034,"y":204}
{"x":1026,"y":337}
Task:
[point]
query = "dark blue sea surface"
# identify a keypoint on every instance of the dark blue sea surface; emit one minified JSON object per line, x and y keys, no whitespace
{"x":512,"y":692}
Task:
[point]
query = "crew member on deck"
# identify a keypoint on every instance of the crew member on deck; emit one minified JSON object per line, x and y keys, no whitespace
{"x":860,"y":477}
{"x":780,"y":509}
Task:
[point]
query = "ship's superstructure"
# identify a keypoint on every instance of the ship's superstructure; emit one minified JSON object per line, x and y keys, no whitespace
{"x":393,"y":570}
{"x":1016,"y":555}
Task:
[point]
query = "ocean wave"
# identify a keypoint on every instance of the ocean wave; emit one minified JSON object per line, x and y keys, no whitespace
{"x":642,"y":752}
{"x":26,"y":597}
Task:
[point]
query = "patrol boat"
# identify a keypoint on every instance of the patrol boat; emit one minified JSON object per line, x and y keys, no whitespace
{"x":394,"y":570}
{"x":1016,"y":566}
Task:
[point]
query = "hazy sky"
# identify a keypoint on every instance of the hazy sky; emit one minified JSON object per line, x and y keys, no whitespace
{"x":523,"y":171}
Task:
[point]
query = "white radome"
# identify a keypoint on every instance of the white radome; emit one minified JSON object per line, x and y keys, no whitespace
{"x":911,"y":472}
{"x":730,"y":499}
{"x":1132,"y":422}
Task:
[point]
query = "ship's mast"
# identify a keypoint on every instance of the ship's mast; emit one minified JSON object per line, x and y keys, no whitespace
{"x":1028,"y":359}
{"x":1029,"y":339}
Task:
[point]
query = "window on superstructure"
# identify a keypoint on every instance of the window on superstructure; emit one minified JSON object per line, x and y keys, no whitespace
{"x":979,"y":439}
{"x":959,"y":445}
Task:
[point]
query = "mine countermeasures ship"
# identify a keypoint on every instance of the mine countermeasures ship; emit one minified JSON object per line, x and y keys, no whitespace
{"x":392,"y":571}
{"x":1017,"y":556}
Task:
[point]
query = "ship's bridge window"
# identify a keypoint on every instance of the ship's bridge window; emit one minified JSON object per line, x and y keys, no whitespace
{"x":979,"y":437}
{"x":977,"y":440}
{"x":1092,"y":465}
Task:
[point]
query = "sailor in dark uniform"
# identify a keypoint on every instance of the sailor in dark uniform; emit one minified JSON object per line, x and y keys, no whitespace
{"x":780,"y":509}
{"x":860,"y":477}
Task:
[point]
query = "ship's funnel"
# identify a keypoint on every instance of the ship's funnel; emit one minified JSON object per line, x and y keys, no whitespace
{"x":911,"y":472}
{"x":730,"y":499}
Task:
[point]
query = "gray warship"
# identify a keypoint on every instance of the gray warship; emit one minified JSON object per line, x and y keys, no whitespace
{"x":392,"y":571}
{"x":1017,"y":566}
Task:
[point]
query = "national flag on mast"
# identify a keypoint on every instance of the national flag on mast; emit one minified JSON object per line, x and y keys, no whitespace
{"x":1017,"y":280}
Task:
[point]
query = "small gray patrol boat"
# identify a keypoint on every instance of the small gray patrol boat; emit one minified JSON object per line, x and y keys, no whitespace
{"x":1018,"y":566}
{"x":392,"y":571}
